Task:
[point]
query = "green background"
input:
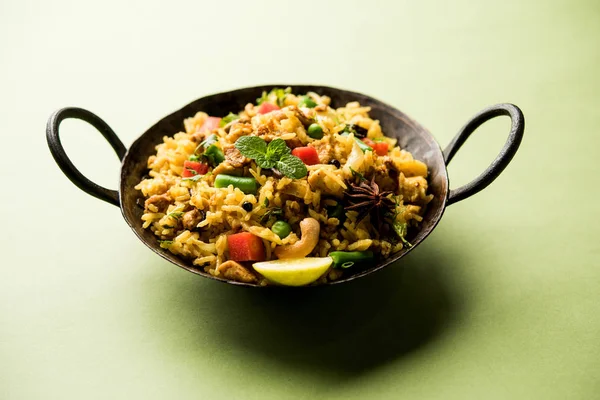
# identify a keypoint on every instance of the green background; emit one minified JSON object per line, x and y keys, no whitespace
{"x":502,"y":301}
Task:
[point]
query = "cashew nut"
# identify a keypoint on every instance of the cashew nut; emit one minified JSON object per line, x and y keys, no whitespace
{"x":309,"y":228}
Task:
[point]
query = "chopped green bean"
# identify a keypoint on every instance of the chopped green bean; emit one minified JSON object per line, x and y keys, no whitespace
{"x":214,"y":155}
{"x":346,"y":259}
{"x":245,"y":184}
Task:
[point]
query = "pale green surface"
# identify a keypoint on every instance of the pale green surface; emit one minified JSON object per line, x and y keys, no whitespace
{"x":502,"y":301}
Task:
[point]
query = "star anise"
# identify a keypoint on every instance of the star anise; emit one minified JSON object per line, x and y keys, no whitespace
{"x":366,"y":198}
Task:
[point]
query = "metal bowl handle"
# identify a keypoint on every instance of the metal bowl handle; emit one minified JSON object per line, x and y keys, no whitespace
{"x":63,"y":161}
{"x":502,"y":160}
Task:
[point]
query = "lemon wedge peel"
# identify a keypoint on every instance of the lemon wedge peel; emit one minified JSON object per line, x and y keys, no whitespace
{"x":294,"y":271}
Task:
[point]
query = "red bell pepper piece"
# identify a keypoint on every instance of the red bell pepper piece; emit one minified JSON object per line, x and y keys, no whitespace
{"x":381,"y":148}
{"x":308,"y":155}
{"x":368,"y":142}
{"x":210,"y":124}
{"x":193,"y":168}
{"x":265,"y":108}
{"x":245,"y":246}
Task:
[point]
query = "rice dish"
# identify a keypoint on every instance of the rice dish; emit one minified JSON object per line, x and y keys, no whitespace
{"x":289,"y":177}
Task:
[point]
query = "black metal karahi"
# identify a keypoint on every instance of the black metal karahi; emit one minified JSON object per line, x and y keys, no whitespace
{"x":411,"y":136}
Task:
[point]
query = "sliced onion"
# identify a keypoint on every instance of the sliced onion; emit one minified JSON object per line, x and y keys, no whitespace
{"x":355,"y":159}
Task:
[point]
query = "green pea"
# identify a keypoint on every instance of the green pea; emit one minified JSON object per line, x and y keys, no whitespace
{"x":245,"y":184}
{"x":281,"y":229}
{"x":315,"y":131}
{"x":346,"y":259}
{"x":306,"y":101}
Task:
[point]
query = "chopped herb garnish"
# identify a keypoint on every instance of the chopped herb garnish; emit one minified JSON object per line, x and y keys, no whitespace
{"x":274,"y":155}
{"x":363,"y":146}
{"x":175,"y":214}
{"x":357,"y":130}
{"x":266,"y":202}
{"x":194,"y":157}
{"x":211,"y":139}
{"x":262,"y":98}
{"x":279,"y":93}
{"x":228,"y":118}
{"x":194,"y":178}
{"x":213,"y":155}
{"x":356,"y":174}
{"x":273,"y":212}
{"x":192,"y":170}
{"x":401,"y":229}
{"x":165,"y":242}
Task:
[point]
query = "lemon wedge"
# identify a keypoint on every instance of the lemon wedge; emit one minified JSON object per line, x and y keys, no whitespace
{"x":294,"y":271}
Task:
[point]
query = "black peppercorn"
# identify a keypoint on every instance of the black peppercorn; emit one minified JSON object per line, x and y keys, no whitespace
{"x":335,"y":162}
{"x":247,"y":206}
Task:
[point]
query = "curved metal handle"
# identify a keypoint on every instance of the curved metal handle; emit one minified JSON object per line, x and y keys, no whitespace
{"x":63,"y":161}
{"x":502,"y":160}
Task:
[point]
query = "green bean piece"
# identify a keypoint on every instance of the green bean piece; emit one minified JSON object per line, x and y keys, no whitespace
{"x":245,"y":184}
{"x":281,"y":229}
{"x":346,"y":259}
{"x":214,"y":155}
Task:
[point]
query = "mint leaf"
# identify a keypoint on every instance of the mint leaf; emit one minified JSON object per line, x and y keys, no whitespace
{"x":277,"y":149}
{"x":264,"y":162}
{"x":251,"y":146}
{"x":275,"y":154}
{"x":292,"y":167}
